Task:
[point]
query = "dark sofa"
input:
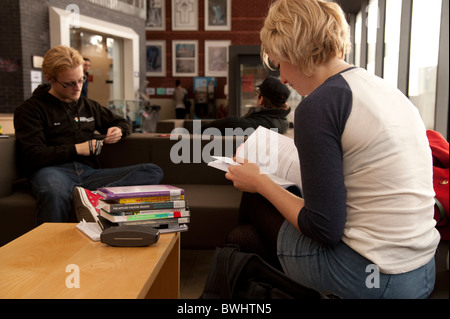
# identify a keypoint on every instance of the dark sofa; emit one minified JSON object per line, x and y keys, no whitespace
{"x":213,"y":201}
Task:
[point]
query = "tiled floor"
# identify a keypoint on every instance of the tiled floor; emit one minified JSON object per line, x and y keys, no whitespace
{"x":194,"y":267}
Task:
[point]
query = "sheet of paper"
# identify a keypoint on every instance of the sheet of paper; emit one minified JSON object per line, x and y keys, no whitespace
{"x":222,"y":163}
{"x":92,"y":230}
{"x":274,"y":153}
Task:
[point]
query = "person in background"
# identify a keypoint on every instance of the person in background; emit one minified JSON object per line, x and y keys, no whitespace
{"x":271,"y":110}
{"x":179,"y":96}
{"x":363,"y":226}
{"x":59,"y":135}
{"x":86,"y":67}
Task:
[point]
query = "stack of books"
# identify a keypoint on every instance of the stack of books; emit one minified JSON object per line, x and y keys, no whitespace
{"x":160,"y":206}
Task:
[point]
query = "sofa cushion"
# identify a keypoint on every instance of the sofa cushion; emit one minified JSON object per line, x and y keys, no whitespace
{"x":7,"y":165}
{"x":129,"y":151}
{"x":214,"y":212}
{"x":18,"y":212}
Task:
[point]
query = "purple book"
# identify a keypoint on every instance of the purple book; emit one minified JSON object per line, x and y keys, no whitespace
{"x":118,"y":192}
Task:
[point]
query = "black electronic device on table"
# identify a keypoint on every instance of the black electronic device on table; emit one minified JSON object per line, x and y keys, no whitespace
{"x":129,"y":236}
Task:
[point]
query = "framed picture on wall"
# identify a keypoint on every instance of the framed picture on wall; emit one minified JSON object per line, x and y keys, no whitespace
{"x":217,"y":15}
{"x":184,"y":15}
{"x":156,"y":15}
{"x":216,"y":58}
{"x":155,"y":58}
{"x":184,"y":58}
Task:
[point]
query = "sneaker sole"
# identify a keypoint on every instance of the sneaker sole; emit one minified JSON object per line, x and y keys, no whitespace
{"x":81,"y":204}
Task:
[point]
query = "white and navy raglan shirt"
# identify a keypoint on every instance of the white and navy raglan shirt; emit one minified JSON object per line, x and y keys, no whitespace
{"x":366,"y":171}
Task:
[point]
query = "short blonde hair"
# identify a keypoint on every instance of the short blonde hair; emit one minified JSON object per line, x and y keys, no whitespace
{"x":61,"y":58}
{"x":306,"y":33}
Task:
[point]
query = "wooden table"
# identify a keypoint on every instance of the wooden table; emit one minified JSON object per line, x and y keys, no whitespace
{"x":52,"y":259}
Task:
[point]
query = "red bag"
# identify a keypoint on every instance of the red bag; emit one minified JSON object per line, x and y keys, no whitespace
{"x":440,"y":151}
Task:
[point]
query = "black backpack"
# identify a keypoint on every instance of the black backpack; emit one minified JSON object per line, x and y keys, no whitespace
{"x":238,"y":275}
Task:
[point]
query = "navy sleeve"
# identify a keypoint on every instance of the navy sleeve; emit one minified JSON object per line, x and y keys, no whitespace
{"x":319,"y":123}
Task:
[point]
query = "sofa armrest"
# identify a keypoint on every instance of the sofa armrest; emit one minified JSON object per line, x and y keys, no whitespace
{"x":8,"y":169}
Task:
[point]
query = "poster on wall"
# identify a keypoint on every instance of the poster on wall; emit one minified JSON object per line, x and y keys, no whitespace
{"x":216,"y":58}
{"x":248,"y":83}
{"x":156,"y":15}
{"x":184,"y":15}
{"x":185,"y":58}
{"x":156,"y":58}
{"x":201,"y":87}
{"x":217,"y":15}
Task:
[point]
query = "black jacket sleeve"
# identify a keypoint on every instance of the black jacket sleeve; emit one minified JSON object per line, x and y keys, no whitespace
{"x":47,"y":130}
{"x":34,"y":147}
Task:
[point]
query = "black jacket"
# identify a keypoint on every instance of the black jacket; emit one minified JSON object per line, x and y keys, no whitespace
{"x":47,"y":129}
{"x":268,"y":118}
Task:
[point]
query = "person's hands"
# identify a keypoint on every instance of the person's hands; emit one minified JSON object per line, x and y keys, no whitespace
{"x":245,"y":177}
{"x":113,"y":135}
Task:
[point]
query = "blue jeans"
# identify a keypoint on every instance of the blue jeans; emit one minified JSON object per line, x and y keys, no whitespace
{"x":53,"y":186}
{"x":345,"y":273}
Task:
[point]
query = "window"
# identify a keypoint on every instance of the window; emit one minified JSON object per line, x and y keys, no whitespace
{"x":358,"y":26}
{"x":372,"y":27}
{"x":425,"y":32}
{"x":252,"y":73}
{"x":392,"y":40}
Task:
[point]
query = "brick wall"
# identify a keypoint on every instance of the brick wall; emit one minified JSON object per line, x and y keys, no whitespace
{"x":247,"y":18}
{"x":11,"y":90}
{"x":25,"y":32}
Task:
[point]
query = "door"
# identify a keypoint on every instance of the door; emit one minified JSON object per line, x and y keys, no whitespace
{"x":105,"y":78}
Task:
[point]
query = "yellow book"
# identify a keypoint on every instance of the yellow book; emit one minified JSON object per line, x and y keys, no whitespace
{"x":149,"y":199}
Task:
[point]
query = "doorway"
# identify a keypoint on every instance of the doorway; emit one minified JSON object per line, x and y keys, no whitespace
{"x":125,"y":65}
{"x":106,"y":72}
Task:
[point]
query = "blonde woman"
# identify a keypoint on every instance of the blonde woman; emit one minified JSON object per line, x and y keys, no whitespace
{"x":363,"y":227}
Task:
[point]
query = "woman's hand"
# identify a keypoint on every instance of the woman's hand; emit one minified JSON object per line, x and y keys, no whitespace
{"x":246,"y":177}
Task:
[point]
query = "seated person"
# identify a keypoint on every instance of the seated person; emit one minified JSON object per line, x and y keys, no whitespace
{"x":271,"y":111}
{"x":57,"y":143}
{"x":365,"y":218}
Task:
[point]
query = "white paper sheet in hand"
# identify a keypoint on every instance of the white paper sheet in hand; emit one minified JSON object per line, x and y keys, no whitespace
{"x":222,"y":163}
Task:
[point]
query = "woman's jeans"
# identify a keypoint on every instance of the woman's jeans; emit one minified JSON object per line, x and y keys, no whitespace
{"x":343,"y":272}
{"x":53,"y":186}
